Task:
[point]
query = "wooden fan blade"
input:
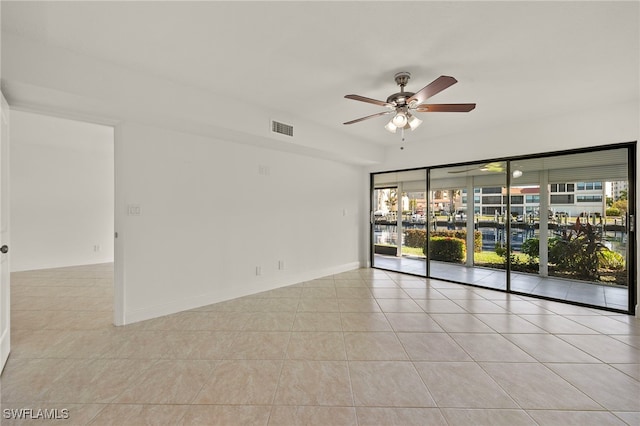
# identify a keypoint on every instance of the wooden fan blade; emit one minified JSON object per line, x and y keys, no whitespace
{"x":368,"y":100}
{"x":368,"y":117}
{"x":445,"y":107}
{"x":433,"y":88}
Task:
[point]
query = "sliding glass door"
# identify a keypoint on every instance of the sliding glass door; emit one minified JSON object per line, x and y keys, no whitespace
{"x":398,"y":221}
{"x":575,"y":228}
{"x":467,"y":236}
{"x":557,"y":226}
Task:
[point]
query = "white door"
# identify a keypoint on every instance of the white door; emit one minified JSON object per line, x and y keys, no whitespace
{"x":5,"y":326}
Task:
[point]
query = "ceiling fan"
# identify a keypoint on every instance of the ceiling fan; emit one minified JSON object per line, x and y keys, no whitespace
{"x":402,"y":104}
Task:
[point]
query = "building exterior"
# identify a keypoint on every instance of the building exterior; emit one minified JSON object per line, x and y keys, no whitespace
{"x":565,"y":199}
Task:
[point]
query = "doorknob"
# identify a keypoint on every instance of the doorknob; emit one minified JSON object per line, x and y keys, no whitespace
{"x":4,"y":249}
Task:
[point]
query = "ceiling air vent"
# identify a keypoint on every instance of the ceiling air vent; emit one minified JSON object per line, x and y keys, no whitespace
{"x":283,"y":129}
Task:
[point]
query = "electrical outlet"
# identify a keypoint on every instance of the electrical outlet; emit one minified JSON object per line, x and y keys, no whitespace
{"x":258,"y":270}
{"x":281,"y":264}
{"x":133,"y":210}
{"x":97,"y":248}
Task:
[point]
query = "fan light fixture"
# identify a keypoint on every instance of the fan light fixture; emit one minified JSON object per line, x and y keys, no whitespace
{"x":402,"y":104}
{"x":403,"y":120}
{"x":391,"y":127}
{"x":400,"y":119}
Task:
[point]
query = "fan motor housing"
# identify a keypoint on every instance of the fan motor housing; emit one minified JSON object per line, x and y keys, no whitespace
{"x":400,"y":98}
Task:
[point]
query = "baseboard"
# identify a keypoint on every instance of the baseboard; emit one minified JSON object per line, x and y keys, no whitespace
{"x":246,"y":289}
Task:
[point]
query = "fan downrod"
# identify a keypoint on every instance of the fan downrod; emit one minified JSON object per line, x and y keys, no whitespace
{"x":400,"y":99}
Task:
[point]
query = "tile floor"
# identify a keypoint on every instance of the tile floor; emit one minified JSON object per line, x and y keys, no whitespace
{"x":366,"y":347}
{"x":556,"y":288}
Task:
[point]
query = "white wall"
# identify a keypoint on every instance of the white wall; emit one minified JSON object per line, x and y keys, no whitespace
{"x":212,"y":211}
{"x":62,"y":179}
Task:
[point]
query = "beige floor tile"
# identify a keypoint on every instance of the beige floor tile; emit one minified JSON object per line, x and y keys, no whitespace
{"x":461,"y":323}
{"x":318,"y":305}
{"x":417,"y":322}
{"x":26,"y":380}
{"x":605,"y":348}
{"x":609,"y":387}
{"x":251,"y":382}
{"x":389,"y":293}
{"x":96,"y":380}
{"x":287,"y":292}
{"x":509,"y":323}
{"x":399,"y":305}
{"x":522,"y":307}
{"x":432,"y":347}
{"x":491,"y":347}
{"x":534,"y":386}
{"x":34,"y":343}
{"x":549,"y":348}
{"x":376,"y":416}
{"x":353,"y":292}
{"x":424,"y":293}
{"x":575,"y":418}
{"x":630,"y":340}
{"x":439,"y":306}
{"x":463,"y":385}
{"x":314,"y":383}
{"x":259,"y":345}
{"x":604,"y":324}
{"x":320,"y":282}
{"x":464,"y":417}
{"x":629,"y":417}
{"x":139,"y":414}
{"x":226,"y":415}
{"x":312,"y":415}
{"x":557,"y":325}
{"x":277,"y":304}
{"x":460,"y":293}
{"x":318,"y":346}
{"x":281,"y":355}
{"x":631,"y":370}
{"x":480,"y":306}
{"x":382,"y":283}
{"x":270,"y":321}
{"x":350,"y":283}
{"x":388,"y":383}
{"x":168,"y":382}
{"x":373,"y":346}
{"x":319,"y":292}
{"x":365,"y":322}
{"x":129,"y":343}
{"x":317,"y":321}
{"x":195,"y":344}
{"x":359,"y":305}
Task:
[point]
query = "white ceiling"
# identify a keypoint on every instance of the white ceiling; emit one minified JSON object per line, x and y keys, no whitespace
{"x":516,"y":60}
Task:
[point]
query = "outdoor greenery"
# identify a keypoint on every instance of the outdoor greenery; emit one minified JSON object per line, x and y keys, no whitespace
{"x":418,"y":237}
{"x":447,"y":249}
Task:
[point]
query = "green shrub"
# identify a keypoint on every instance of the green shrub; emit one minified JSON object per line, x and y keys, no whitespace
{"x":462,"y":235}
{"x":531,"y":247}
{"x":418,"y":237}
{"x":578,"y":250}
{"x":613,"y":211}
{"x":415,"y":238}
{"x":447,"y":249}
{"x":611,"y":260}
